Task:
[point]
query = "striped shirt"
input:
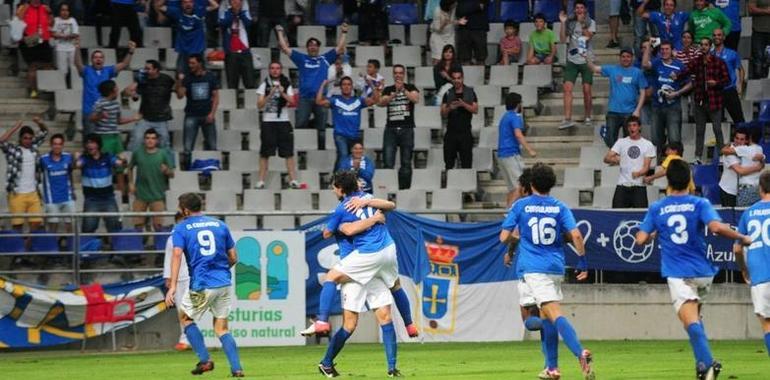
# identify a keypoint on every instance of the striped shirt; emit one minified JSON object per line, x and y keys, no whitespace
{"x":57,"y":184}
{"x":14,"y":156}
{"x":111,"y":109}
{"x":97,"y":176}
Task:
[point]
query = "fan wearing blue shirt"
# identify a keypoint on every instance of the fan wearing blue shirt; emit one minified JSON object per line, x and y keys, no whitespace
{"x":510,"y":138}
{"x":56,"y":170}
{"x":670,"y":23}
{"x":541,"y":221}
{"x":209,"y":251}
{"x":679,"y":220}
{"x":190,"y":23}
{"x":754,"y":260}
{"x":346,"y":114}
{"x":731,"y":93}
{"x":731,"y":9}
{"x":362,"y":165}
{"x":313,"y":70}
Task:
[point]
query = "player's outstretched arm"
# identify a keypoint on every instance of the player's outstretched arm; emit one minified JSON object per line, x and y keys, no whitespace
{"x":355,"y":228}
{"x":578,"y":242}
{"x":642,"y":238}
{"x":725,"y":230}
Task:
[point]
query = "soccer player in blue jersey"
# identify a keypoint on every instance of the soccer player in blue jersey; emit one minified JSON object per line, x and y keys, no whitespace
{"x":541,"y":220}
{"x":755,"y":261}
{"x":209,"y":251}
{"x":679,"y":221}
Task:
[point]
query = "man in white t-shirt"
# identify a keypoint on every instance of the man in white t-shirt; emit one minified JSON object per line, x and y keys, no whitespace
{"x":634,"y":154}
{"x":742,"y":161}
{"x":183,"y":283}
{"x":274,"y":97}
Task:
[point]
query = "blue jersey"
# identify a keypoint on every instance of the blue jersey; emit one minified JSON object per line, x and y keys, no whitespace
{"x":664,"y":83}
{"x":312,"y":71}
{"x":205,"y":242}
{"x":625,"y":85}
{"x":670,"y":28}
{"x":731,"y":9}
{"x":754,"y":223}
{"x":507,"y":143}
{"x":680,"y":221}
{"x":542,"y":220}
{"x":91,"y":80}
{"x":373,"y":240}
{"x":190,"y":30}
{"x":346,"y":115}
{"x":57,"y":187}
{"x":733,"y":62}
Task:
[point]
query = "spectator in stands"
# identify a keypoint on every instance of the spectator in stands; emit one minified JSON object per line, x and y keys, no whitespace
{"x":96,"y":178}
{"x":458,"y":106}
{"x":733,"y":167}
{"x":55,"y":169}
{"x":183,"y":284}
{"x":297,"y":16}
{"x":634,"y":154}
{"x":667,"y":109}
{"x":689,"y":51}
{"x":336,"y":72}
{"x":472,"y":35}
{"x":274,"y":96}
{"x":271,"y":14}
{"x":34,"y":46}
{"x":510,"y":44}
{"x":93,"y":75}
{"x":235,"y":23}
{"x":124,"y":14}
{"x":674,"y":151}
{"x":346,"y":114}
{"x":21,"y":182}
{"x":442,"y":29}
{"x":641,"y":25}
{"x":669,"y":24}
{"x":202,"y":90}
{"x":190,"y":22}
{"x":731,"y":93}
{"x":373,"y":22}
{"x":367,"y":82}
{"x":313,"y":69}
{"x":710,"y":78}
{"x":154,"y":167}
{"x":731,"y":9}
{"x":577,"y":31}
{"x":614,"y":21}
{"x":361,"y":164}
{"x":542,"y":43}
{"x":510,"y":140}
{"x":100,"y":13}
{"x":155,"y":88}
{"x":752,"y":161}
{"x":627,"y":90}
{"x":64,"y":31}
{"x":760,"y":37}
{"x":441,"y":70}
{"x":400,"y":99}
{"x":704,"y":19}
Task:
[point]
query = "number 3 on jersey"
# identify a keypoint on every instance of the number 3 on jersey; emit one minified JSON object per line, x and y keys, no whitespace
{"x":207,"y":243}
{"x":543,"y":230}
{"x":679,"y":224}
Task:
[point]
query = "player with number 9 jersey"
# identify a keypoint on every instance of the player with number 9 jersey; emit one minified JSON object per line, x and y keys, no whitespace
{"x":205,"y":241}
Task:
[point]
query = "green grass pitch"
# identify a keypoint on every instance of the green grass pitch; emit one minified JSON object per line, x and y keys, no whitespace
{"x":516,"y":360}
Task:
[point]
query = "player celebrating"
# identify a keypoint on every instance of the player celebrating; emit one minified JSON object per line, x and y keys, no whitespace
{"x":679,"y":220}
{"x":541,"y":220}
{"x":755,"y":265}
{"x":209,"y":251}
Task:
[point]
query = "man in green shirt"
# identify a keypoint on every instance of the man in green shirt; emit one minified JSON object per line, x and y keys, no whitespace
{"x":154,"y":166}
{"x":542,"y":43}
{"x":705,"y":18}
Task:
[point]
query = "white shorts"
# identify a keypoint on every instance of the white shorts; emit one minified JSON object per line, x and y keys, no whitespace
{"x":760,"y":296}
{"x":544,"y":287}
{"x":525,"y":295}
{"x":58,"y":208}
{"x":355,"y":296}
{"x":217,"y":300}
{"x":182,"y":286}
{"x":363,"y":267}
{"x":511,"y":167}
{"x":688,"y":289}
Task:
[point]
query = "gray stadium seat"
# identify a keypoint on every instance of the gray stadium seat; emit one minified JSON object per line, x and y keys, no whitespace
{"x":435,"y":158}
{"x":310,"y":177}
{"x":227,"y":180}
{"x":579,"y":178}
{"x":278,"y":222}
{"x":241,"y":222}
{"x":501,"y":75}
{"x":184,"y":180}
{"x":220,"y":200}
{"x":157,"y":37}
{"x":305,"y":32}
{"x":482,"y":159}
{"x":68,"y":100}
{"x":397,"y":32}
{"x":380,"y":117}
{"x":373,"y":138}
{"x":352,"y":35}
{"x":528,"y":94}
{"x":603,"y":196}
{"x":409,"y":56}
{"x":88,"y":36}
{"x":447,"y":199}
{"x":538,"y":75}
{"x":296,"y":200}
{"x":653,"y":194}
{"x":385,"y":179}
{"x":230,"y":140}
{"x":525,"y":30}
{"x":488,"y":137}
{"x":50,"y":80}
{"x":258,"y":200}
{"x":244,"y":161}
{"x":244,"y":120}
{"x":423,"y":77}
{"x":227,"y":99}
{"x":305,"y":139}
{"x":418,"y":34}
{"x":427,"y":116}
{"x":592,"y":157}
{"x":461,"y":179}
{"x":327,"y":201}
{"x":322,"y":160}
{"x":610,"y":175}
{"x":421,"y":139}
{"x":411,"y":200}
{"x":473,"y":75}
{"x":365,"y":53}
{"x":142,"y":55}
{"x":250,"y":98}
{"x":488,"y":96}
{"x":261,"y":58}
{"x":495,"y":33}
{"x":273,"y":180}
{"x":426,"y":179}
{"x":569,"y":195}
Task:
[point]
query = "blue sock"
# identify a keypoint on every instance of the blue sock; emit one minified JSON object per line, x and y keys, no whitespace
{"x":533,"y":323}
{"x":700,"y":344}
{"x":402,"y":303}
{"x":195,"y":338}
{"x":569,"y":336}
{"x":325,"y":300}
{"x":231,"y":351}
{"x":335,"y":346}
{"x":551,"y":344}
{"x":767,"y":343}
{"x":389,"y":341}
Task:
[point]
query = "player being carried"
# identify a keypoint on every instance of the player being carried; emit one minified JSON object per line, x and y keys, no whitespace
{"x":542,"y":220}
{"x":679,"y":221}
{"x":209,"y":251}
{"x":755,"y":262}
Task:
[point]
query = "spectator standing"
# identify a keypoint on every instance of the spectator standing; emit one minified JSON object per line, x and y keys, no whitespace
{"x":271,"y":14}
{"x":690,"y":51}
{"x":669,"y":24}
{"x":235,"y":23}
{"x":642,"y":27}
{"x":55,"y":169}
{"x":96,"y":177}
{"x":760,"y":37}
{"x":124,"y":15}
{"x":64,"y":31}
{"x":202,"y":90}
{"x":627,"y":90}
{"x":361,"y":164}
{"x":673,"y":151}
{"x":182,"y":281}
{"x":441,"y":70}
{"x":704,"y":19}
{"x":731,"y":93}
{"x":155,"y":88}
{"x":400,"y":99}
{"x":190,"y":23}
{"x":732,"y":9}
{"x":35,"y":45}
{"x":732,"y":168}
{"x":577,"y":31}
{"x":472,"y":35}
{"x":297,"y":11}
{"x":313,"y":70}
{"x":336,"y":72}
{"x":510,"y":44}
{"x":458,"y":106}
{"x":373,"y":22}
{"x":367,"y":82}
{"x":634,"y":154}
{"x":442,"y":28}
{"x":154,"y":167}
{"x":752,"y":161}
{"x":510,"y":140}
{"x":542,"y":43}
{"x":430,"y":10}
{"x":274,"y":96}
{"x":614,"y":21}
{"x":21,"y":182}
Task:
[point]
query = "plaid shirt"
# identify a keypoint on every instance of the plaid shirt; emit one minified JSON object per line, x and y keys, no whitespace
{"x":14,"y":157}
{"x":713,"y":69}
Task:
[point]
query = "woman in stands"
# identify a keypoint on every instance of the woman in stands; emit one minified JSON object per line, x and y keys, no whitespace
{"x":442,"y":29}
{"x":441,"y":70}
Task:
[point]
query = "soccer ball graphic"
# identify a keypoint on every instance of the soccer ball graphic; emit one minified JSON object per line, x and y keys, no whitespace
{"x":623,"y":241}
